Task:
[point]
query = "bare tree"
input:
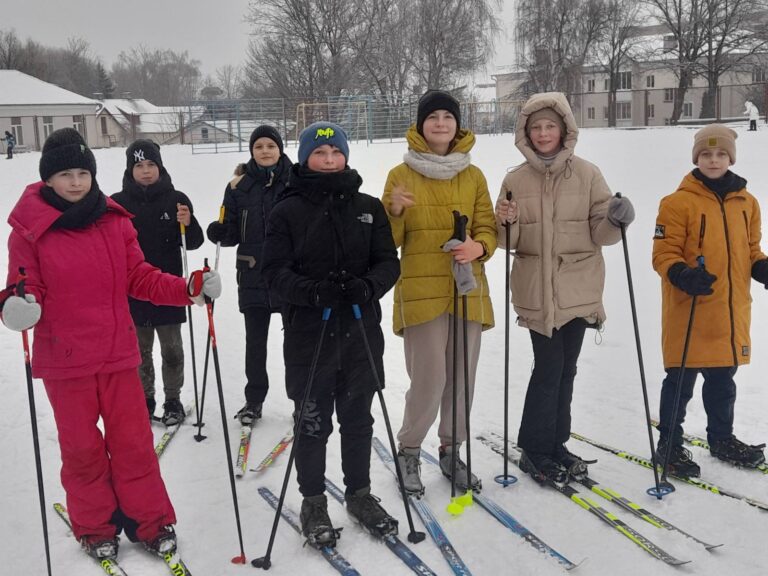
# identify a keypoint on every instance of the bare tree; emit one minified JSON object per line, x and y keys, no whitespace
{"x":553,"y":40}
{"x":614,"y":44}
{"x":229,"y":79}
{"x":11,"y":50}
{"x":163,"y":77}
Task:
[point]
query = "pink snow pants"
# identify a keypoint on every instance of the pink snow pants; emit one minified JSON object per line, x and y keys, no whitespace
{"x":117,"y":470}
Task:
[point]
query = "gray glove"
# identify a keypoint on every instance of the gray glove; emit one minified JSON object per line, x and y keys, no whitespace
{"x":21,"y":313}
{"x":462,"y":273}
{"x":202,"y":284}
{"x":620,"y":211}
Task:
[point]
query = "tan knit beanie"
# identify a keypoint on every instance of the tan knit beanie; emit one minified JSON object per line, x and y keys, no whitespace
{"x":715,"y":136}
{"x":549,"y":114}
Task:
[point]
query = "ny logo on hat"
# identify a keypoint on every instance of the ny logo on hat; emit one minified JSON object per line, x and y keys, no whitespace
{"x":138,"y":156}
{"x":326,"y":132}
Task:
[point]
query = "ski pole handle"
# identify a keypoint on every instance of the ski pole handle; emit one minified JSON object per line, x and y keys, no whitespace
{"x":21,"y":280}
{"x":700,"y":260}
{"x":222,"y":212}
{"x":459,"y":226}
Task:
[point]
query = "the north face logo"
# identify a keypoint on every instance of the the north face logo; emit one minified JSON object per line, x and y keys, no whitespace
{"x":659,"y":232}
{"x":325,"y":132}
{"x":138,"y":156}
{"x":366,"y":218}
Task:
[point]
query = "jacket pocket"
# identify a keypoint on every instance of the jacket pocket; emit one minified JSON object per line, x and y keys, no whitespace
{"x":580,"y":279}
{"x":525,"y":282}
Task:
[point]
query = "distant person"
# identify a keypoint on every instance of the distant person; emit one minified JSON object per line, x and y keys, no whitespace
{"x":711,"y":215}
{"x":82,"y":261}
{"x":753,"y":113}
{"x":560,"y":214}
{"x":248,"y":201}
{"x":10,"y":144}
{"x":158,"y":211}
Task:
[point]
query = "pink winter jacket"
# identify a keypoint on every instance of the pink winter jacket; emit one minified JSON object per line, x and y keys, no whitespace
{"x":82,"y":280}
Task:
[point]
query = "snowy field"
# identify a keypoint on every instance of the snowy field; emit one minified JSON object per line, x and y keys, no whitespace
{"x":644,"y":165}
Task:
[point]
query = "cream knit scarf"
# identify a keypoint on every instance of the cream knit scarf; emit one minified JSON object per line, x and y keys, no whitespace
{"x":437,"y":167}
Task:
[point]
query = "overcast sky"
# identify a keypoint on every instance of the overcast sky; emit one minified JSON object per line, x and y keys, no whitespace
{"x":212,"y":32}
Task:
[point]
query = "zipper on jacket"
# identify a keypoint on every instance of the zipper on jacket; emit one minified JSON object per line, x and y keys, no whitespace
{"x":746,"y":224}
{"x":702,"y":229}
{"x":730,"y":282}
{"x":243,"y":223}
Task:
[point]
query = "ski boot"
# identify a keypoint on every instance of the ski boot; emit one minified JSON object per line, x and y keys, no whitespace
{"x":410,"y":466}
{"x":575,"y":465}
{"x":315,"y":523}
{"x":462,"y":484}
{"x":680,"y":463}
{"x":164,"y":543}
{"x":738,"y":453}
{"x":100,"y":548}
{"x":543,"y":468}
{"x":173,"y":412}
{"x":249,"y":413}
{"x":365,"y":508}
{"x":151,"y":405}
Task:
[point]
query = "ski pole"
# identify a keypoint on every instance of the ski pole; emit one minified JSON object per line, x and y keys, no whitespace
{"x":414,"y":536}
{"x":199,"y":436}
{"x":265,"y":562}
{"x":33,"y":417}
{"x":183,"y":230}
{"x":657,"y":490}
{"x":506,"y":479}
{"x":225,"y":427}
{"x":665,"y":485}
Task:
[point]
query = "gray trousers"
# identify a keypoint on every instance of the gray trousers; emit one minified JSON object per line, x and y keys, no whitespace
{"x":429,"y":362}
{"x":172,"y":353}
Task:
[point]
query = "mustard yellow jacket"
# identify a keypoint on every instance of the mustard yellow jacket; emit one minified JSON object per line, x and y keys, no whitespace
{"x":425,"y":288}
{"x":694,"y":221}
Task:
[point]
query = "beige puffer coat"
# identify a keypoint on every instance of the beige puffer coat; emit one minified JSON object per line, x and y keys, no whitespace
{"x":558,"y":271}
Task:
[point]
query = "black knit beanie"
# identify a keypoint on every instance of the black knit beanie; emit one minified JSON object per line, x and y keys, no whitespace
{"x":437,"y":100}
{"x":141,"y":150}
{"x":266,"y":131}
{"x":65,"y":149}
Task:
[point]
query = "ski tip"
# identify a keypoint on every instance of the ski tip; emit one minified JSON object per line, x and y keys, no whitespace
{"x":239,"y":559}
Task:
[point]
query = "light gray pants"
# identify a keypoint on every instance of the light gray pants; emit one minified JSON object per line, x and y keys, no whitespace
{"x":172,"y":354}
{"x":429,"y":361}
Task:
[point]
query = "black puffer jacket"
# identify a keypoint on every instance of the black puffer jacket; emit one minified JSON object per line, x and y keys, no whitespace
{"x":154,"y":211}
{"x":248,"y":200}
{"x":323,"y":226}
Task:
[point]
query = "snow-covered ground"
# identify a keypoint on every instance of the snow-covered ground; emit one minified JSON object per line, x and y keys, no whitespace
{"x":644,"y":165}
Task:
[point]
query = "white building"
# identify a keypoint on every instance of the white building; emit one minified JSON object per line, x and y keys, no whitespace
{"x":31,"y":109}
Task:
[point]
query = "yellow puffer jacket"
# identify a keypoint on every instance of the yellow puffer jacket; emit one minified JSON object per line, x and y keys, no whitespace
{"x":694,"y":221}
{"x":425,"y":288}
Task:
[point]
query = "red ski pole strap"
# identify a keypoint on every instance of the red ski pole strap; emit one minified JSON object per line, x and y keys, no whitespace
{"x":195,"y":284}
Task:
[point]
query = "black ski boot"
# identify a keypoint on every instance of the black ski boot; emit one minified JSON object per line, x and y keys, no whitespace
{"x":575,"y":465}
{"x":365,"y":507}
{"x":462,"y":483}
{"x":315,"y":523}
{"x":543,"y":468}
{"x":249,"y":413}
{"x":100,"y":548}
{"x":738,"y":453}
{"x":164,"y":543}
{"x":173,"y":412}
{"x":680,"y":461}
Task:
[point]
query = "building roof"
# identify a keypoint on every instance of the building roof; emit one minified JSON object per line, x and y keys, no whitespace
{"x":19,"y":89}
{"x":151,"y":118}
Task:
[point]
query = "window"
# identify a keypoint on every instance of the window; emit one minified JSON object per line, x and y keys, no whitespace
{"x":605,"y":112}
{"x":650,"y":81}
{"x":591,"y":85}
{"x":687,"y":109}
{"x":758,"y":74}
{"x":623,"y":110}
{"x":204,"y":134}
{"x":47,"y":126}
{"x":606,"y":84}
{"x":669,"y":94}
{"x":591,"y":113}
{"x":17,"y":131}
{"x":650,"y":110}
{"x":78,"y":123}
{"x":104,"y":129}
{"x":625,"y":81}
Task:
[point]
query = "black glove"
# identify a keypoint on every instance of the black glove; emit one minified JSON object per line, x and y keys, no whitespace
{"x":217,"y":232}
{"x":693,"y":281}
{"x":325,"y":294}
{"x":356,"y":290}
{"x":760,"y":272}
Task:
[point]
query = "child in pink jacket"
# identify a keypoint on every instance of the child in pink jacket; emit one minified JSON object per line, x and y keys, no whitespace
{"x":81,"y":258}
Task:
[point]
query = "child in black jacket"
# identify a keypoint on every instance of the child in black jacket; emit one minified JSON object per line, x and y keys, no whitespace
{"x":330,"y":246}
{"x":158,"y":210}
